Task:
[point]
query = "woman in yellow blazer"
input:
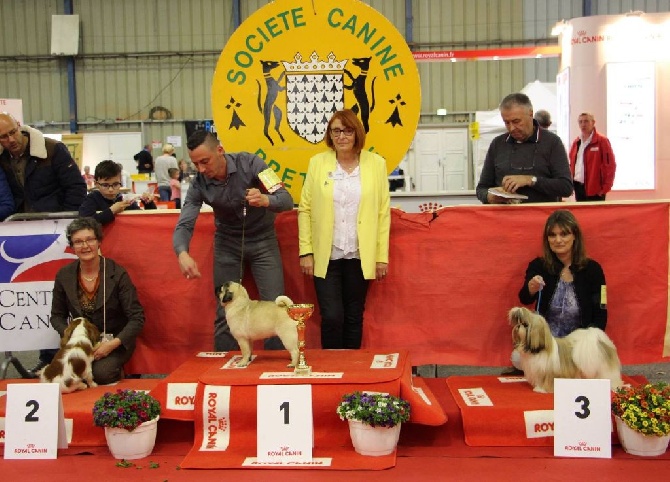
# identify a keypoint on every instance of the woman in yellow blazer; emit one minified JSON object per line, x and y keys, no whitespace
{"x":344,"y":221}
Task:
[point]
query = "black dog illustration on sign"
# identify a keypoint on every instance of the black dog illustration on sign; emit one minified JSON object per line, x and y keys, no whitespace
{"x":269,"y":107}
{"x":363,"y":106}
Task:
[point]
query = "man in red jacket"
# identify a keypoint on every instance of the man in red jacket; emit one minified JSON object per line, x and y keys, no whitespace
{"x":592,"y":161}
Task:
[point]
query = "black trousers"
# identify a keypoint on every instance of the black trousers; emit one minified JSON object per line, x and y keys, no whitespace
{"x":580,"y":193}
{"x":341,"y":295}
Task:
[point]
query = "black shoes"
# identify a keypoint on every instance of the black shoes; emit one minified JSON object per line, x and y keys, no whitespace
{"x":512,"y":372}
{"x":34,"y":371}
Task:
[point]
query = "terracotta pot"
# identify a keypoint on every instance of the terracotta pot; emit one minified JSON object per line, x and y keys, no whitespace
{"x":139,"y":443}
{"x":373,"y":441}
{"x":639,"y":444}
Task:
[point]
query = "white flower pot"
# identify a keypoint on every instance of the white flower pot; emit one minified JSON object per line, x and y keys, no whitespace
{"x":137,"y":444}
{"x":373,"y":441}
{"x":639,"y":444}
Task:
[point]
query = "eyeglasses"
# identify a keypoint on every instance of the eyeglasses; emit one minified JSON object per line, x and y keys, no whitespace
{"x":114,"y":185}
{"x":81,"y":242}
{"x":4,"y":137}
{"x":347,"y":131}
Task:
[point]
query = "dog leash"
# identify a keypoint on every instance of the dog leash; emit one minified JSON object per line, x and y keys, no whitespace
{"x":104,"y":298}
{"x":244,"y":223}
{"x":539,"y":298}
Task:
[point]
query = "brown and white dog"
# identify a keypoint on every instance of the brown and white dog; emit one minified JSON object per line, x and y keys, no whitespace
{"x":584,"y":353}
{"x":251,"y":320}
{"x":72,"y":365}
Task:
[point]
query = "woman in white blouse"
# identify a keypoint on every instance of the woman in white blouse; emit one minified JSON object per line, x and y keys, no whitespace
{"x":344,"y":221}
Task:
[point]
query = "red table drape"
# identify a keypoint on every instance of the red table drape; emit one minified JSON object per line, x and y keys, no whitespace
{"x":452,"y":279}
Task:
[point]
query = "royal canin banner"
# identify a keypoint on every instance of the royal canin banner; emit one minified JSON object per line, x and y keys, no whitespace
{"x":487,"y":54}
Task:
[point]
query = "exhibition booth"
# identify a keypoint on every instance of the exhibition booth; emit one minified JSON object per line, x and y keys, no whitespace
{"x":617,"y":67}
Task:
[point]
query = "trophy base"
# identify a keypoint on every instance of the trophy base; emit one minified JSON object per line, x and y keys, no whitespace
{"x":303,"y":371}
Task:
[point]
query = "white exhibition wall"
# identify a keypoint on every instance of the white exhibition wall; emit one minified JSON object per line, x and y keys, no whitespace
{"x":629,"y":104}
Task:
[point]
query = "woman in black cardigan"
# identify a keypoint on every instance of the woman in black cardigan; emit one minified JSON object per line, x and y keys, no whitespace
{"x":569,"y":286}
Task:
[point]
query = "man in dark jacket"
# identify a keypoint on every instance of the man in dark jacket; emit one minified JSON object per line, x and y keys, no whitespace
{"x":145,"y":161}
{"x":42,"y":176}
{"x":41,"y":173}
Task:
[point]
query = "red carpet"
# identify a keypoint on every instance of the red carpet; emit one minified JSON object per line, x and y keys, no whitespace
{"x":431,"y":453}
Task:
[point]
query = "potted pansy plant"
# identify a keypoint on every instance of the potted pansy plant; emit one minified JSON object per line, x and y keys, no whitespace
{"x":130,"y":420}
{"x":642,"y":416}
{"x":374,"y":420}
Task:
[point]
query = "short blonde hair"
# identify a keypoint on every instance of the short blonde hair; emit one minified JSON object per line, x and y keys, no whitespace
{"x":168,"y":149}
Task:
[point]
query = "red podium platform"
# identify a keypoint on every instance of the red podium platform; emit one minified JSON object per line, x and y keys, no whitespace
{"x":230,"y":442}
{"x":505,"y":411}
{"x":77,"y":408}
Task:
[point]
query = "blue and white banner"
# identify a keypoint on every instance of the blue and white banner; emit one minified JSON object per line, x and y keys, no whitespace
{"x":30,"y":254}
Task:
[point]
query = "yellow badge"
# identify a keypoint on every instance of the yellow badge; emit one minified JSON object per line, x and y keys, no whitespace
{"x":270,"y":180}
{"x":293,"y":63}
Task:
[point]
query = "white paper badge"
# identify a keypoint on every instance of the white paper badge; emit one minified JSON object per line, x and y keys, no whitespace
{"x":34,"y":422}
{"x":582,"y":418}
{"x":284,"y":423}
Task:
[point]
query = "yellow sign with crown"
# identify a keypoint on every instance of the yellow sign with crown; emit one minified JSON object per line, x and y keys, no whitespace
{"x":293,"y":63}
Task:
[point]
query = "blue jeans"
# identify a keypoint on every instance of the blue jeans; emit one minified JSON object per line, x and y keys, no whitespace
{"x":262,"y":255}
{"x":164,"y":192}
{"x":341,"y":296}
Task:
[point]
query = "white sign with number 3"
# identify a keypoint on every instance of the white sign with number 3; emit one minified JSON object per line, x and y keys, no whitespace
{"x":582,"y":418}
{"x":34,"y":422}
{"x":284,"y":423}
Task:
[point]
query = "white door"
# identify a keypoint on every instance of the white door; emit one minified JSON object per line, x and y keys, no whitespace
{"x":428,"y":161}
{"x":441,"y":159}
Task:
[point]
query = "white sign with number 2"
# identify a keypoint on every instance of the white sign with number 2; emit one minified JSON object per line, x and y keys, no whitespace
{"x":34,"y":422}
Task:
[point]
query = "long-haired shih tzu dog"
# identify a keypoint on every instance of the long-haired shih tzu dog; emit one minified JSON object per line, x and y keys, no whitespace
{"x":584,"y":353}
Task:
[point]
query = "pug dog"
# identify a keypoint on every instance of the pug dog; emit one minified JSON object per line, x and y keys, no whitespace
{"x":251,"y":320}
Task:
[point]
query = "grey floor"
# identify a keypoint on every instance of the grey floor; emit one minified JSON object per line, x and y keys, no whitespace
{"x":654,"y":372}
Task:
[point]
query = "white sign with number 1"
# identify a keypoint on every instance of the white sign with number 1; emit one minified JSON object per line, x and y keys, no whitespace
{"x":582,"y":418}
{"x":34,"y":422}
{"x":284,"y":423}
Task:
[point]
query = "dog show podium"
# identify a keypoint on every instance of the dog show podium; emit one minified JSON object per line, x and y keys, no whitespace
{"x":221,"y":400}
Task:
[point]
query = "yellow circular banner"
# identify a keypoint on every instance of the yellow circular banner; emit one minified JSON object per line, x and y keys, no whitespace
{"x":293,"y":63}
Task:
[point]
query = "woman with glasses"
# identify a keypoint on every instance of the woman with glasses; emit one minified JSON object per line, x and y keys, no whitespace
{"x":104,"y":203}
{"x":101,"y":291}
{"x":344,"y":221}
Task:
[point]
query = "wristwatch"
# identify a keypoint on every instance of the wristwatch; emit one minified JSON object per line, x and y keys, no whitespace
{"x":533,"y":180}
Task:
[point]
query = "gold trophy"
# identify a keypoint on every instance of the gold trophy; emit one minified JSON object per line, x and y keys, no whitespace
{"x":300,"y":313}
